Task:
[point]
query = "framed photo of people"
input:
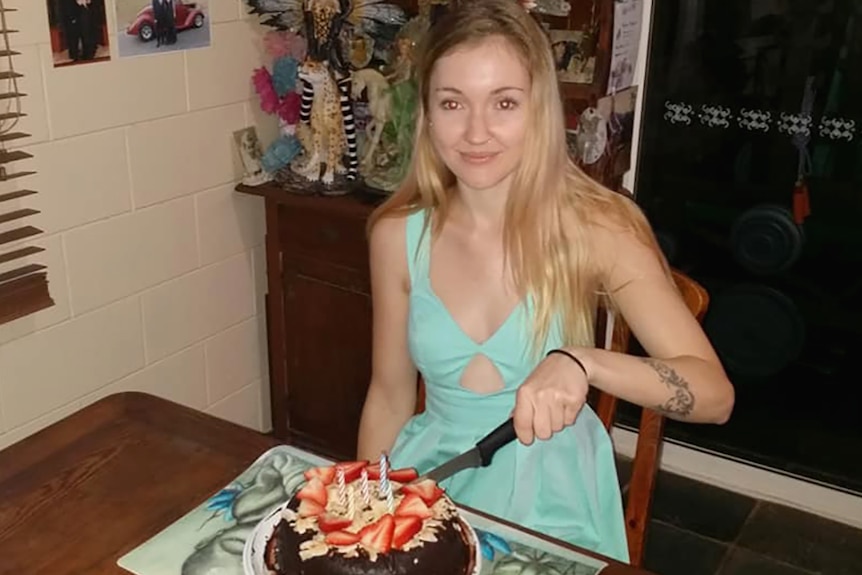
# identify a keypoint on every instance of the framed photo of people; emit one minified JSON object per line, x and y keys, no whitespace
{"x":78,"y":31}
{"x":146,"y":27}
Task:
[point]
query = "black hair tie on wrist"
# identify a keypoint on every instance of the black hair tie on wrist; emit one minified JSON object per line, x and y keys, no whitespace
{"x":573,"y":358}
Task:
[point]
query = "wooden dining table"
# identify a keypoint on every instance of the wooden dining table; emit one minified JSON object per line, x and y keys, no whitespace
{"x":78,"y":495}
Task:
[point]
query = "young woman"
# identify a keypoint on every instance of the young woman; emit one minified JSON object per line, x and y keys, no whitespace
{"x":495,"y":251}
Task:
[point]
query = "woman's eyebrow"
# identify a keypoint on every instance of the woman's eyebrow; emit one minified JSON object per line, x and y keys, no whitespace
{"x":495,"y":91}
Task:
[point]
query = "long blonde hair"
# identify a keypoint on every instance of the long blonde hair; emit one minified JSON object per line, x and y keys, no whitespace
{"x":551,"y":202}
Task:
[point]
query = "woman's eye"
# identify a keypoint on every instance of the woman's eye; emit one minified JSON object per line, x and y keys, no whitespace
{"x":508,"y":104}
{"x":449,"y":105}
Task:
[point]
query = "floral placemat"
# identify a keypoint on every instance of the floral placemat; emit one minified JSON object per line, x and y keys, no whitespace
{"x":209,"y":539}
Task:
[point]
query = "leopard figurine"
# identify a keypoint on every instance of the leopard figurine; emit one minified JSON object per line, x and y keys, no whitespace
{"x":322,"y":138}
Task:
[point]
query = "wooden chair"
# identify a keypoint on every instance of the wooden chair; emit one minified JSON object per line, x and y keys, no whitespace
{"x":645,"y":463}
{"x":648,"y":451}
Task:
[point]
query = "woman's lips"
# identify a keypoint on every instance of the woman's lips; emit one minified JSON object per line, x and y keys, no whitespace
{"x":478,"y":157}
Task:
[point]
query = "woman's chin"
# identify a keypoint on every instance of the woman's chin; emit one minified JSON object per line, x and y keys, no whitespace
{"x":472,"y":179}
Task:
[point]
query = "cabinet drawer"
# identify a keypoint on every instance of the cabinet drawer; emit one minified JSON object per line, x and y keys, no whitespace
{"x":332,"y":236}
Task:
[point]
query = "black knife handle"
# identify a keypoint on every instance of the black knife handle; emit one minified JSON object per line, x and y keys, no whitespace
{"x":489,"y":444}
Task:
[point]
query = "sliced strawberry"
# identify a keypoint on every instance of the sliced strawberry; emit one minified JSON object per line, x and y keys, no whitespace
{"x":329,"y":523}
{"x":378,"y":535}
{"x":326,"y":474}
{"x":426,"y":489}
{"x":405,"y":529}
{"x":352,"y":469}
{"x":314,"y":490}
{"x":342,"y":538}
{"x":373,"y":471}
{"x":405,"y":475}
{"x":309,"y":508}
{"x":412,"y":506}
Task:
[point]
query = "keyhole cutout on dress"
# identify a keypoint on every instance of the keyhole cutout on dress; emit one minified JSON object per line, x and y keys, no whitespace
{"x":481,"y":375}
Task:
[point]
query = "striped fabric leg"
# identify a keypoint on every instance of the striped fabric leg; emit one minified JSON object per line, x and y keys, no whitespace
{"x":344,"y":86}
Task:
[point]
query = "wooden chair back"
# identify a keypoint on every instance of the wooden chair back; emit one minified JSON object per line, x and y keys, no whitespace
{"x":645,"y":464}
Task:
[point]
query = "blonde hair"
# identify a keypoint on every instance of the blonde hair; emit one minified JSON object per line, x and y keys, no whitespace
{"x":551,"y":201}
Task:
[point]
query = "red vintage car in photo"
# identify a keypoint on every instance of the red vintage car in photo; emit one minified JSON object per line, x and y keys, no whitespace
{"x":188,"y":15}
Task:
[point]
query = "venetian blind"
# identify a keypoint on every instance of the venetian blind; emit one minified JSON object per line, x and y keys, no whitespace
{"x":23,"y":281}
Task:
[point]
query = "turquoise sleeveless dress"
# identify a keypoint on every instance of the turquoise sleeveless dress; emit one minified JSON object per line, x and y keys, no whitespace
{"x":565,"y":487}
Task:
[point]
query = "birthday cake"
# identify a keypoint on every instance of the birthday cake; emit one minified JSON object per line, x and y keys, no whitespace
{"x":357,"y":517}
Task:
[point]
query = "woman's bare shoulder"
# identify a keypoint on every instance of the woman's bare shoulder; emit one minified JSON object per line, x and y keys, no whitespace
{"x":390,"y":227}
{"x":387,"y":244}
{"x":622,"y":244}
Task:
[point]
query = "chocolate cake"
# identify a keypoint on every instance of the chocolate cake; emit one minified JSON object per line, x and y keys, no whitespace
{"x":342,"y":523}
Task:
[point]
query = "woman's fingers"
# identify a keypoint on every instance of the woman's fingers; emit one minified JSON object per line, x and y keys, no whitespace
{"x":522,"y":417}
{"x":570,"y":412}
{"x":542,"y":420}
{"x":557,"y":413}
{"x":543,"y":409}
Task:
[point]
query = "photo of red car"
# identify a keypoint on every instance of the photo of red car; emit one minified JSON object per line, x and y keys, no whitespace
{"x":188,"y":15}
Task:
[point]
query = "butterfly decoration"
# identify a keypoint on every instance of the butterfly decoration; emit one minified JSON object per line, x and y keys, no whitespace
{"x":365,"y":16}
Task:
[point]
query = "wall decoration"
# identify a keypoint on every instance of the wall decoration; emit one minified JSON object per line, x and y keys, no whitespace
{"x":627,"y":35}
{"x":574,"y":55}
{"x":582,"y":44}
{"x":591,"y":137}
{"x":155,"y":26}
{"x":602,"y":142}
{"x":79,"y":31}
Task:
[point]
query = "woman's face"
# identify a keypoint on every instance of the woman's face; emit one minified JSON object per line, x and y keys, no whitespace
{"x":478,"y":105}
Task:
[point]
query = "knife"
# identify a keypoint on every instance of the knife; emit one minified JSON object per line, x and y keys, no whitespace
{"x":478,"y":456}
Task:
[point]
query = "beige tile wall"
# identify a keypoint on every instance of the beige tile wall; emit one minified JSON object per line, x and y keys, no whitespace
{"x":155,"y":263}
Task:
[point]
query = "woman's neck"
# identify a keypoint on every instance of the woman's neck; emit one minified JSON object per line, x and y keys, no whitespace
{"x":482,"y":210}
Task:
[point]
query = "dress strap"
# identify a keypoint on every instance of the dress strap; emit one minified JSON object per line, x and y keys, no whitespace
{"x":417,"y":246}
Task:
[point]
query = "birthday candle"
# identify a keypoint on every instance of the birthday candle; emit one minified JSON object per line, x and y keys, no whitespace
{"x":342,"y":486}
{"x":384,"y":487}
{"x":390,"y":498}
{"x":384,"y":477}
{"x":351,"y":508}
{"x":366,"y":493}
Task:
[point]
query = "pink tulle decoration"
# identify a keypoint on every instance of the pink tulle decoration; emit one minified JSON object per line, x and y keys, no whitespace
{"x":280,"y":43}
{"x":288,"y":110}
{"x":262,"y":80}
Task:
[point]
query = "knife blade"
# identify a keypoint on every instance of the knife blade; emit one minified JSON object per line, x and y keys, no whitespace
{"x":479,"y":456}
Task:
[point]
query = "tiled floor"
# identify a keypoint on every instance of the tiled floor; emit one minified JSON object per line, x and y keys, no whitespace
{"x":699,"y":529}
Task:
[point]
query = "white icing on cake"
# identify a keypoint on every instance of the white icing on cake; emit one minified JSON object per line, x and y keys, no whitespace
{"x":443,"y":509}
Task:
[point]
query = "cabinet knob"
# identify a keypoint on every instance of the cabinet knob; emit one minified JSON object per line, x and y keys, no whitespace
{"x":329,"y":234}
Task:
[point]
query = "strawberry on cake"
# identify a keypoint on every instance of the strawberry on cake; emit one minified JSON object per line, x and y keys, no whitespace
{"x":342,"y":523}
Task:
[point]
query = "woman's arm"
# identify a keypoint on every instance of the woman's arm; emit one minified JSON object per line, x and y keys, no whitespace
{"x":683,"y":377}
{"x":391,"y":394}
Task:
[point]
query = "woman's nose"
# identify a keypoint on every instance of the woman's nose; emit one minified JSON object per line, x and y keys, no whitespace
{"x":477,"y":129}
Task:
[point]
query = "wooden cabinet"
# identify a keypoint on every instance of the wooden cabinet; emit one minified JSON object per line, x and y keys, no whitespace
{"x":318,"y":316}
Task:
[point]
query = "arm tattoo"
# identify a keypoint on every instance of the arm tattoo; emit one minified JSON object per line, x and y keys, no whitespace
{"x":681,"y":402}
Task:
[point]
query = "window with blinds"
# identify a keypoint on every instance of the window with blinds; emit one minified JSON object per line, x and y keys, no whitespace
{"x":23,"y":281}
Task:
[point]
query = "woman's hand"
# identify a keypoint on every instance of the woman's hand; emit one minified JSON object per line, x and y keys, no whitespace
{"x":550,"y":398}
